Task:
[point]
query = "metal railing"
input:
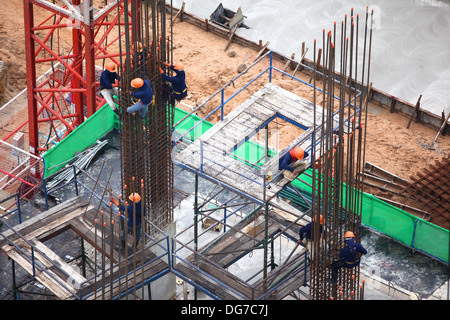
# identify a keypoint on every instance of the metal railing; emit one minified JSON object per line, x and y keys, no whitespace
{"x":255,"y":172}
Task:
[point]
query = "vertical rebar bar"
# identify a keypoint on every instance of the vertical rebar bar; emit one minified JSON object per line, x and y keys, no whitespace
{"x":335,"y":191}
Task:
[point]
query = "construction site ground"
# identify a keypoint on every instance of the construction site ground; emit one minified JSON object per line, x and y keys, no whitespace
{"x":390,"y":145}
{"x":392,"y":270}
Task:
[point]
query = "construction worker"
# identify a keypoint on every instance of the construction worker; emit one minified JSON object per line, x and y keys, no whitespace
{"x":142,"y":58}
{"x":178,"y":88}
{"x":142,"y":91}
{"x":109,"y":82}
{"x":291,"y":163}
{"x":349,"y":256}
{"x":134,"y":211}
{"x":305,"y":231}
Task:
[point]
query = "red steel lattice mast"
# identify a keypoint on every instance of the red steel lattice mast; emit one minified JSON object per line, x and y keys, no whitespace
{"x":65,"y":98}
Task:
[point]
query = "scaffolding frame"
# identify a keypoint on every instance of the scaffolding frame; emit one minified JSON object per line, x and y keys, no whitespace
{"x":103,"y":230}
{"x":335,"y":193}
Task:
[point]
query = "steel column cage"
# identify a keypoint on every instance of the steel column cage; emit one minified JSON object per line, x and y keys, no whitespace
{"x":146,"y":142}
{"x":75,"y":40}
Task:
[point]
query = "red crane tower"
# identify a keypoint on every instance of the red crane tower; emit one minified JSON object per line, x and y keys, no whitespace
{"x":61,"y":101}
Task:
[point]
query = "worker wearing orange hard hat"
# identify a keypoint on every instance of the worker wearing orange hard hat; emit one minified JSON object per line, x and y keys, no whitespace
{"x":292,"y":164}
{"x":176,"y":86}
{"x":135,"y":212}
{"x":349,"y":256}
{"x":144,"y":93}
{"x":306,"y":231}
{"x":142,"y":58}
{"x":109,"y":82}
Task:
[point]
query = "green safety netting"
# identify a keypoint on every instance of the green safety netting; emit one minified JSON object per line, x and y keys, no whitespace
{"x":376,"y":214}
{"x":189,"y":123}
{"x":85,"y":135}
{"x":398,"y":224}
{"x":432,"y":239}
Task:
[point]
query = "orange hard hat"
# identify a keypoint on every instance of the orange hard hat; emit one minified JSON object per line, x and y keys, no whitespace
{"x":111,"y":66}
{"x":135,"y":197}
{"x":349,"y":234}
{"x":299,"y":153}
{"x":139,"y":46}
{"x":320,"y":219}
{"x":178,"y":66}
{"x":137,"y":83}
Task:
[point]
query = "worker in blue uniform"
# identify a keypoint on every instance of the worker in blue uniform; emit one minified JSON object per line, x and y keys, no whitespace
{"x":178,"y":88}
{"x":142,"y":91}
{"x":305,"y":232}
{"x":109,"y":82}
{"x":142,"y":59}
{"x":291,"y":163}
{"x":349,"y":256}
{"x":135,"y":212}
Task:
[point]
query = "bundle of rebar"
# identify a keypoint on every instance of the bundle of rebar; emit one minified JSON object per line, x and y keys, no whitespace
{"x":146,"y":143}
{"x":336,"y":191}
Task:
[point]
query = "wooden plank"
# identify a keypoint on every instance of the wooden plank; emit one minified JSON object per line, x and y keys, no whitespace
{"x":88,"y":233}
{"x":317,"y":65}
{"x":261,"y":51}
{"x":287,"y":208}
{"x":442,"y":128}
{"x":150,"y":270}
{"x":237,"y":18}
{"x":289,"y":286}
{"x":179,"y":13}
{"x":301,"y":59}
{"x":242,"y":244}
{"x":298,"y":111}
{"x":50,"y":255}
{"x":380,"y":172}
{"x":41,"y":276}
{"x":228,"y":279}
{"x":50,"y":227}
{"x":232,"y":234}
{"x":42,"y":220}
{"x":233,"y":31}
{"x":289,"y":63}
{"x":204,"y":281}
{"x":240,"y":124}
{"x":415,"y":111}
